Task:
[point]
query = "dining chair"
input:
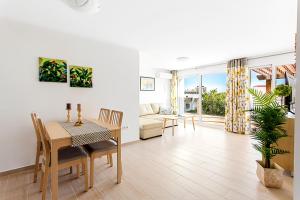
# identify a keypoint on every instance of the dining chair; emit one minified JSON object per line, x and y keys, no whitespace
{"x":67,"y":157}
{"x":104,"y":115}
{"x":99,"y":149}
{"x":39,"y":146}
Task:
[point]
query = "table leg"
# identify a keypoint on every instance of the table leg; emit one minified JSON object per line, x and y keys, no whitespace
{"x":184,"y":122}
{"x":164,"y":125}
{"x":54,"y":171}
{"x":193,"y":123}
{"x":173,"y":127}
{"x":119,"y":162}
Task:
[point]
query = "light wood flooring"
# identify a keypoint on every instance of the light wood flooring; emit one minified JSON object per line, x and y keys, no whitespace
{"x":205,"y":165}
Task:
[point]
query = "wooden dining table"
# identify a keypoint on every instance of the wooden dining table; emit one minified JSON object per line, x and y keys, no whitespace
{"x":59,"y":137}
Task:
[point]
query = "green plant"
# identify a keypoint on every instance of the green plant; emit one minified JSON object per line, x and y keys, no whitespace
{"x":213,"y":102}
{"x":268,"y":117}
{"x":81,"y":77}
{"x":283,"y":91}
{"x":52,"y":70}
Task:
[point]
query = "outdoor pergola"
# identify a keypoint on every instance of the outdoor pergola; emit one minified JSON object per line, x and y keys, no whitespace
{"x":265,"y":73}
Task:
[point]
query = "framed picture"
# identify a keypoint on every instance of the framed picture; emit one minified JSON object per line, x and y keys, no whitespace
{"x":81,"y":76}
{"x":52,"y":70}
{"x":147,"y":83}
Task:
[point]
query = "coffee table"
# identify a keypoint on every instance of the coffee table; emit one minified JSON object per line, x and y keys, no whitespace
{"x":174,"y":118}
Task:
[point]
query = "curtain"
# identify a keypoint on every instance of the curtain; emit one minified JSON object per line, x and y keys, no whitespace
{"x":237,"y":100}
{"x":174,"y":92}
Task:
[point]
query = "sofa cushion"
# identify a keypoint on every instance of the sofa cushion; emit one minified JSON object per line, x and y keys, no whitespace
{"x":145,"y":109}
{"x":155,"y":108}
{"x":166,"y":111}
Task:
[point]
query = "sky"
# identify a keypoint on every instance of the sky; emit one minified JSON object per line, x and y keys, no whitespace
{"x":210,"y":81}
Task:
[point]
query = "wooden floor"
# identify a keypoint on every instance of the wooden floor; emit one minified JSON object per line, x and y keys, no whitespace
{"x":205,"y":165}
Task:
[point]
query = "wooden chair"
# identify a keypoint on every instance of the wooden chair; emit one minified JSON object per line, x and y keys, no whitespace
{"x":104,"y":115}
{"x":39,"y":147}
{"x":67,"y":157}
{"x":111,"y":146}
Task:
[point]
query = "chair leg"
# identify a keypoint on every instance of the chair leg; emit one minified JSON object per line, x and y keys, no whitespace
{"x":78,"y":171}
{"x":92,"y":171}
{"x":42,"y":181}
{"x":45,"y":184}
{"x":110,"y":160}
{"x":37,"y":159}
{"x":119,"y":168}
{"x":86,"y":176}
{"x":83,"y":168}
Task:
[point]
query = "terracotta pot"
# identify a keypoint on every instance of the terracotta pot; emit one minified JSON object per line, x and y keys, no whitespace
{"x":270,"y":177}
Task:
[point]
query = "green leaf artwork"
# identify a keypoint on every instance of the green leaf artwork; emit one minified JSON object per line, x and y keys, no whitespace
{"x":81,"y":76}
{"x":52,"y":70}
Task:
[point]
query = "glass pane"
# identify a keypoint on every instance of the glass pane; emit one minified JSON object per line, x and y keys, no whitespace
{"x":286,"y":75}
{"x":213,"y":98}
{"x":191,"y":94}
{"x":261,"y":79}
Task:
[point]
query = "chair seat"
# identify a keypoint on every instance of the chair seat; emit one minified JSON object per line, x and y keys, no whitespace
{"x":71,"y":153}
{"x":101,"y":146}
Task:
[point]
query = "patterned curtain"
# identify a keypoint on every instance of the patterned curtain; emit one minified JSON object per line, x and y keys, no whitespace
{"x":174,"y":92}
{"x":236,"y":119}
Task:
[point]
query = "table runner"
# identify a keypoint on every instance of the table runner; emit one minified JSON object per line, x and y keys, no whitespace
{"x":87,"y":133}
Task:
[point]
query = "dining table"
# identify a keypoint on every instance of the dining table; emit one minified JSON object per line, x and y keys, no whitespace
{"x":59,"y":137}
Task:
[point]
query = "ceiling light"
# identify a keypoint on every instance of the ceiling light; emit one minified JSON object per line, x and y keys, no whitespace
{"x":88,"y":6}
{"x":182,"y":59}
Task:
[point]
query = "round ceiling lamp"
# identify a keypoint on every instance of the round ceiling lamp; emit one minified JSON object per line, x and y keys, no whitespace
{"x":87,"y":6}
{"x":182,"y":59}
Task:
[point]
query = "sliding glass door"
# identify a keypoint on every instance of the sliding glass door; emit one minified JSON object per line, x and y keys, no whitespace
{"x":191,"y":94}
{"x":213,"y":98}
{"x":204,"y":94}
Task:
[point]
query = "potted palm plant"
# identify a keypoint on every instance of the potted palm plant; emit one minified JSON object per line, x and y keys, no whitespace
{"x":268,"y":117}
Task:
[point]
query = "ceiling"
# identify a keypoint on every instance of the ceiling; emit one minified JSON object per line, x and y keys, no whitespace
{"x":206,"y":31}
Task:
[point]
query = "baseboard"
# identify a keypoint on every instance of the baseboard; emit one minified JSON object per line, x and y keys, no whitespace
{"x":14,"y":171}
{"x":31,"y":167}
{"x":151,"y":137}
{"x":132,"y":142}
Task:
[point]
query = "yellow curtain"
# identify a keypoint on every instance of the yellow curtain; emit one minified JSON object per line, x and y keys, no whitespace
{"x":237,"y":100}
{"x":174,"y":92}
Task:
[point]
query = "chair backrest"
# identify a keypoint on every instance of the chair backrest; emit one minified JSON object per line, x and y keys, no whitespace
{"x":45,"y":142}
{"x":35,"y":125}
{"x":104,"y":115}
{"x":116,"y":118}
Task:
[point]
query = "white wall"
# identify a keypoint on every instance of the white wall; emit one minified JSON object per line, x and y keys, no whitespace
{"x":275,"y":60}
{"x":297,"y":124}
{"x":115,"y":80}
{"x":161,"y":94}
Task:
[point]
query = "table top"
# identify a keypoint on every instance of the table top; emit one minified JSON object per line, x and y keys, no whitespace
{"x":56,"y":131}
{"x":174,"y":117}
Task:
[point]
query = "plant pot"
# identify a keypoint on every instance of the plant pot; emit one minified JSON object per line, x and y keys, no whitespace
{"x":270,"y":177}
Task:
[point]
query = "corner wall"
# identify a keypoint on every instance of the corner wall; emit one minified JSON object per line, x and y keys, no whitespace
{"x":115,"y":86}
{"x":297,"y":123}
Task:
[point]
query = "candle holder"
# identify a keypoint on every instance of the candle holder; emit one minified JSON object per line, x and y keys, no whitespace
{"x":69,"y":116}
{"x":79,"y":117}
{"x":68,"y":108}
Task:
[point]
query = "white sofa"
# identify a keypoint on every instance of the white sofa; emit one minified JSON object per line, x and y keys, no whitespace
{"x":151,"y":121}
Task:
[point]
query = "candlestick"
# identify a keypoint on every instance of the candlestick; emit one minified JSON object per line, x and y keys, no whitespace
{"x":79,"y":117}
{"x":69,"y":115}
{"x":79,"y":107}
